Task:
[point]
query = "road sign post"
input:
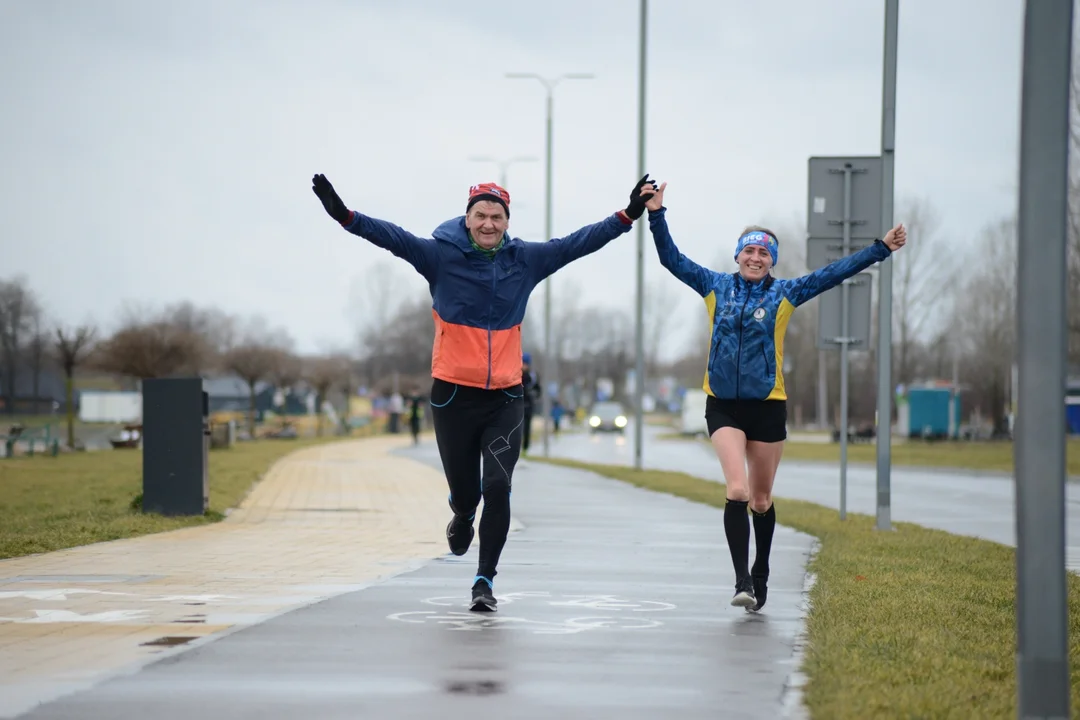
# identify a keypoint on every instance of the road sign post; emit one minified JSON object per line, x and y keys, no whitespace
{"x":844,"y":204}
{"x":1042,"y":617}
{"x":822,"y":251}
{"x":860,"y":294}
{"x":826,"y":198}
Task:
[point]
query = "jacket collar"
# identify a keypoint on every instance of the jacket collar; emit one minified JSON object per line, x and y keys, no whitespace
{"x":753,"y":288}
{"x":453,"y":231}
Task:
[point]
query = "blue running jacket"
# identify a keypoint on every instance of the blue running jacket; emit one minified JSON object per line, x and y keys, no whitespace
{"x":746,"y":352}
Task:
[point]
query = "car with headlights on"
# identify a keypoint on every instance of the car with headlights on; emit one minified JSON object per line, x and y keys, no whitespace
{"x":607,"y":416}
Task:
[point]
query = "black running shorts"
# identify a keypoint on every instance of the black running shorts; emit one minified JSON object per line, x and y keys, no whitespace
{"x":760,"y":420}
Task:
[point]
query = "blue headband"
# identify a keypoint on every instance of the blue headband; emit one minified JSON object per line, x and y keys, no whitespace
{"x":757,"y":237}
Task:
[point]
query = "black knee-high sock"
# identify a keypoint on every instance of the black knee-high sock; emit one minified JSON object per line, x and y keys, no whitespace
{"x":764,"y":525}
{"x":737,"y":529}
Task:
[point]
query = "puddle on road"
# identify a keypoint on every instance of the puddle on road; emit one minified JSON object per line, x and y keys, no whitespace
{"x":475,"y":687}
{"x":169,"y":641}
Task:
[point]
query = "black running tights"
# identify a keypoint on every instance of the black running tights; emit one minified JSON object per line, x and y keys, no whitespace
{"x":479,"y":437}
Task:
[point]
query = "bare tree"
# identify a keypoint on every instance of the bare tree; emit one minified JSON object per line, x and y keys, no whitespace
{"x":603,"y":346}
{"x":152,"y":347}
{"x":36,"y":351}
{"x":532,"y":327}
{"x":253,"y":362}
{"x":255,"y":353}
{"x":218,"y":330}
{"x":374,"y":300}
{"x":287,"y":371}
{"x":404,"y":344}
{"x":566,"y":335}
{"x":983,"y":322}
{"x":18,"y":305}
{"x":1074,"y":219}
{"x":661,"y":316}
{"x":920,"y":284}
{"x":72,"y":348}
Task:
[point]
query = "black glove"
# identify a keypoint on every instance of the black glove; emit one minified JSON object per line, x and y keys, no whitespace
{"x":330,"y":200}
{"x":636,"y":208}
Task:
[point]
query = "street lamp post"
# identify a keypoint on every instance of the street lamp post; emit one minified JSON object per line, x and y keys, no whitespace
{"x":549,"y":85}
{"x":639,"y":309}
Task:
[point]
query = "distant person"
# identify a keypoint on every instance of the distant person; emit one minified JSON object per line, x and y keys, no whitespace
{"x":556,"y":415}
{"x":396,"y":407}
{"x":416,"y":414}
{"x":530,"y":382}
{"x":746,"y":407}
{"x":480,"y":280}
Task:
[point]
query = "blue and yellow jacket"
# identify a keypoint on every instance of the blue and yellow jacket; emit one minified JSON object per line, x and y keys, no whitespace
{"x":746,"y":353}
{"x":479,"y":299}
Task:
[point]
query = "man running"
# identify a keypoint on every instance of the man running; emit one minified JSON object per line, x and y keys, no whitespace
{"x":480,"y":279}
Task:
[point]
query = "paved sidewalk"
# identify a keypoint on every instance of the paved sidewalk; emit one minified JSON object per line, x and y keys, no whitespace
{"x":614,"y":603}
{"x":324,"y":521}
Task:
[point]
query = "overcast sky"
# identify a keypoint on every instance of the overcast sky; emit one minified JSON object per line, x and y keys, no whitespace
{"x":157,"y":152}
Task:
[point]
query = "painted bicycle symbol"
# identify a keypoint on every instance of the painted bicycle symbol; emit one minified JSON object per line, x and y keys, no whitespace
{"x":593,"y":602}
{"x":468,"y":621}
{"x":621,"y":614}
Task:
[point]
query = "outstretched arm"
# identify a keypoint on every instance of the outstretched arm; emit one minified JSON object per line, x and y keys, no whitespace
{"x":701,"y":279}
{"x":557,"y":253}
{"x":808,"y":287}
{"x":549,"y":257}
{"x":420,"y":253}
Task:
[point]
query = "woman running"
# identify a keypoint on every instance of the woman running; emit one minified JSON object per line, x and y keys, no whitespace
{"x":746,"y":407}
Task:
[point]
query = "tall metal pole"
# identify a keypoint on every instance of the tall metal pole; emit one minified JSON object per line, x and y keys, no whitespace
{"x":549,"y":360}
{"x":548,"y":365}
{"x":845,"y":340}
{"x":639,"y":367}
{"x":884,"y":350}
{"x":1042,"y":658}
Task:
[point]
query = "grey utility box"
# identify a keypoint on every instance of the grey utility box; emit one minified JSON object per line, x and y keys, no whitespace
{"x":176,"y":446}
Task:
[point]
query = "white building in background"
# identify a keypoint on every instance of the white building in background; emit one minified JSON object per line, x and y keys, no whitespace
{"x":107,"y":406}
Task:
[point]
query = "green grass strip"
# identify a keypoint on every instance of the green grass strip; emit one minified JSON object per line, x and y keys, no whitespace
{"x":80,"y":498}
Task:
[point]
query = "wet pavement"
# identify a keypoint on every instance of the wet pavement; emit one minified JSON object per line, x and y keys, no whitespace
{"x":613,"y":603}
{"x":961,"y":502}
